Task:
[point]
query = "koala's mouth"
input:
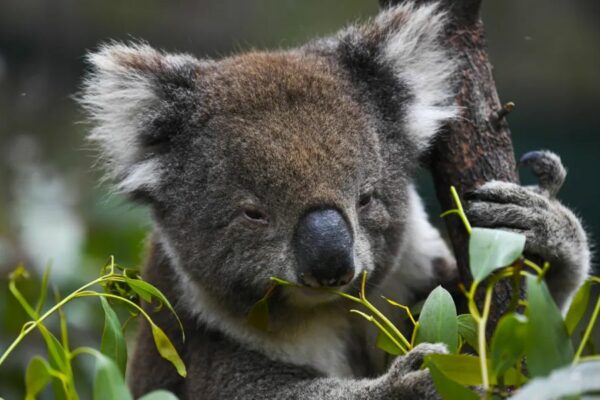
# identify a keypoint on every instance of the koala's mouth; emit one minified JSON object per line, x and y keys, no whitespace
{"x":304,"y":296}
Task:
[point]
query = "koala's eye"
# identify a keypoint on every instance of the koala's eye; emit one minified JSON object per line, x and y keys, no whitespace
{"x":256,"y":216}
{"x":365,"y":199}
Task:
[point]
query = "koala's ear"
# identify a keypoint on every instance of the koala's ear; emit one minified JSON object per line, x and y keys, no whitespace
{"x":134,"y":97}
{"x":401,"y":56}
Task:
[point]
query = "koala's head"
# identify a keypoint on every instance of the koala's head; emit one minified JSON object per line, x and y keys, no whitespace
{"x":292,"y":164}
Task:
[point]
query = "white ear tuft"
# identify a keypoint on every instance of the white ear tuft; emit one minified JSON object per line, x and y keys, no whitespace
{"x":122,"y":95}
{"x":408,"y":41}
{"x":415,"y":50}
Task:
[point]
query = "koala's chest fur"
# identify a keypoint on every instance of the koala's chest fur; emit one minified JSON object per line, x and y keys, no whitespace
{"x":323,"y":343}
{"x":326,"y":340}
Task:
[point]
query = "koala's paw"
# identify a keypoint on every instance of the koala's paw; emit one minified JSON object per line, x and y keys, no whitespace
{"x":408,"y":379}
{"x":553,"y":232}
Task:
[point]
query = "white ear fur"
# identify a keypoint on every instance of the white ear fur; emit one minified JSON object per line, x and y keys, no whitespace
{"x":410,"y":42}
{"x":120,"y":95}
{"x":418,"y":58}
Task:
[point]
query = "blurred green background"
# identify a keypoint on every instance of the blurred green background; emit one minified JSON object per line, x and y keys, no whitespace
{"x":546,"y":55}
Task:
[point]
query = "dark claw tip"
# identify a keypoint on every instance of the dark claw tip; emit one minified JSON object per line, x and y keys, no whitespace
{"x":530,"y":157}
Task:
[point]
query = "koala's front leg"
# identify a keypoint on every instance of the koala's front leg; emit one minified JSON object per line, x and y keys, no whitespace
{"x":405,"y":380}
{"x":250,"y":376}
{"x":553,"y":232}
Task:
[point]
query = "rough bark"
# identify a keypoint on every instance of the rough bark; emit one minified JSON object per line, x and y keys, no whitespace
{"x":477,"y":147}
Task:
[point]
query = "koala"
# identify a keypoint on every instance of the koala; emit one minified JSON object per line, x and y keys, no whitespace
{"x":299,"y":164}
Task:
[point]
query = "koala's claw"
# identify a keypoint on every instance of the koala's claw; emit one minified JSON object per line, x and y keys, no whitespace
{"x":413,"y":360}
{"x":548,"y":169}
{"x":407,"y":377}
{"x":552,"y":231}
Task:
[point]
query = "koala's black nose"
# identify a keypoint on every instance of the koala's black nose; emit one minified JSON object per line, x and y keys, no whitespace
{"x":324,"y":249}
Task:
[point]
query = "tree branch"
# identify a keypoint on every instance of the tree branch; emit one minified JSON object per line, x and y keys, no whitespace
{"x":477,"y":147}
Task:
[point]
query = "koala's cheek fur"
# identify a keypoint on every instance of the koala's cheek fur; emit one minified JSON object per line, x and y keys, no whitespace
{"x":226,"y":264}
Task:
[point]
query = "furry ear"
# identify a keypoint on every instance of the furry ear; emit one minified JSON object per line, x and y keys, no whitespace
{"x":404,"y":44}
{"x":129,"y":97}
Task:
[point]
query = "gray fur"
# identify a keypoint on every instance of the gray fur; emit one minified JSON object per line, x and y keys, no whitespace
{"x":552,"y":230}
{"x":201,"y":142}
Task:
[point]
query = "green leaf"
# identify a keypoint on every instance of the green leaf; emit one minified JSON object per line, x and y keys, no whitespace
{"x":258,"y":316}
{"x":447,"y":388}
{"x":140,"y":287}
{"x":467,"y":328}
{"x":490,"y":249}
{"x":512,"y":377}
{"x":159,"y":395}
{"x":466,"y":369}
{"x":437,"y":321}
{"x":508,"y":343}
{"x":113,"y":343}
{"x":36,"y":377}
{"x":385,"y":344}
{"x":461,"y":368}
{"x":547,"y":344}
{"x":575,"y":380}
{"x":146,"y":291}
{"x":578,"y":306}
{"x":109,"y":383}
{"x":167,"y":350}
{"x":56,"y":351}
{"x":43,"y":290}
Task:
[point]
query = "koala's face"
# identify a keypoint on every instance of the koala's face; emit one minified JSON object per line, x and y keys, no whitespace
{"x":295,"y":164}
{"x":285,"y":178}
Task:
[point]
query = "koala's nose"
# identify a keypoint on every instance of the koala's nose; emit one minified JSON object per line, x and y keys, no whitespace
{"x":324,"y":249}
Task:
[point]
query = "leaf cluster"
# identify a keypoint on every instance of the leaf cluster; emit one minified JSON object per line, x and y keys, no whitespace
{"x":116,"y":285}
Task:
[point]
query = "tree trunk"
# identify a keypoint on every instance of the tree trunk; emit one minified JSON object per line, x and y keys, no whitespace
{"x":477,"y":147}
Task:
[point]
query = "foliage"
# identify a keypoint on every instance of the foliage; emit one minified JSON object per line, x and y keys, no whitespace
{"x":119,"y":285}
{"x":531,"y":353}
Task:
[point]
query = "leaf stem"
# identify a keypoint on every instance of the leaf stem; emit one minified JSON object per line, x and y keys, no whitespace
{"x":379,"y":315}
{"x":378,"y":324}
{"x":33,"y":324}
{"x":588,"y":332}
{"x":458,"y":210}
{"x":481,"y":330}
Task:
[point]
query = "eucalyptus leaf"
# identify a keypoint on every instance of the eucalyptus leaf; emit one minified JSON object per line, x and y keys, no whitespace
{"x":159,"y":395}
{"x":146,"y":291}
{"x":437,"y":321}
{"x":574,"y":380}
{"x":57,"y":360}
{"x":385,"y":344}
{"x":446,"y":387}
{"x":508,"y":343}
{"x":578,"y":306}
{"x":43,"y":290}
{"x":547,"y":343}
{"x":460,"y":368}
{"x":37,"y":377}
{"x":490,"y":249}
{"x":258,"y":317}
{"x":108,"y":382}
{"x":467,"y":328}
{"x":512,"y":377}
{"x":56,"y":352}
{"x":113,"y":343}
{"x":167,"y":350}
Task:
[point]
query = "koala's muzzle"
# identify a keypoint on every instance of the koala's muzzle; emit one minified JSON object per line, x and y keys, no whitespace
{"x":323,"y":246}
